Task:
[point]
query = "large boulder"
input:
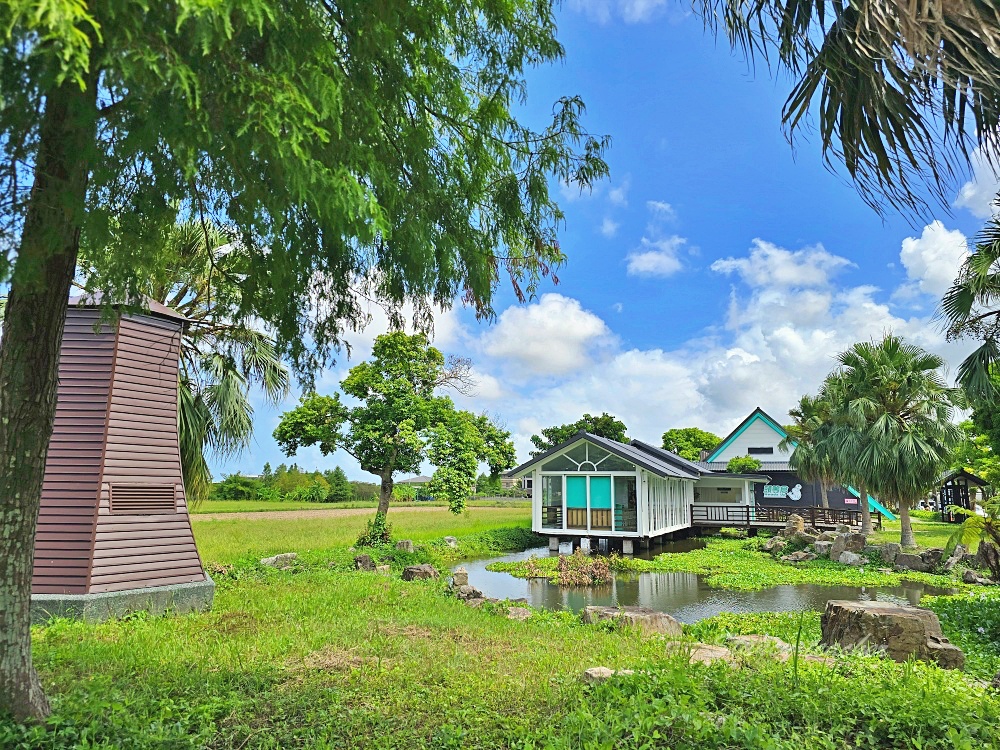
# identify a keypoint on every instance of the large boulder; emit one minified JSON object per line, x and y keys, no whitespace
{"x":451,"y":541}
{"x":800,"y":556}
{"x":971,"y":576}
{"x":856,"y":543}
{"x":364,"y":562}
{"x":850,"y":558}
{"x":645,"y":619}
{"x":460,"y":577}
{"x":897,"y":630}
{"x":822,"y":549}
{"x":888,"y":552}
{"x":466,"y":592}
{"x":827,"y":536}
{"x":419,"y":572}
{"x":838,"y":546}
{"x":405,"y":545}
{"x":775,"y":543}
{"x":955,"y":557}
{"x":762,"y":642}
{"x":908,"y":561}
{"x":518,"y":613}
{"x":804,"y":538}
{"x":932,"y":557}
{"x":794,"y":524}
{"x":282,"y":561}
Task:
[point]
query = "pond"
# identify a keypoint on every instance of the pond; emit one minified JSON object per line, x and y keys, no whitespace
{"x":684,"y":595}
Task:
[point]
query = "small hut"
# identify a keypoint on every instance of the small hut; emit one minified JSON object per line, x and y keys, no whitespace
{"x":954,"y":489}
{"x":114,"y":533}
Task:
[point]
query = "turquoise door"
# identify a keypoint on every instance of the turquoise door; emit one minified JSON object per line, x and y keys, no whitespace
{"x":600,"y":492}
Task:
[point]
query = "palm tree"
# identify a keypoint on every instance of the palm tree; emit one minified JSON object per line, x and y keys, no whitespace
{"x":222,"y":357}
{"x":897,"y":404}
{"x":903,"y":92}
{"x":811,"y":463}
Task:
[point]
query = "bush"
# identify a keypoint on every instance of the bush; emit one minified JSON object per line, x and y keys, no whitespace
{"x":579,"y":570}
{"x":743,"y":465}
{"x":377,"y":532}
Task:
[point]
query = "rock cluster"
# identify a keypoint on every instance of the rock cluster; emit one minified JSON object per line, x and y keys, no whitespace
{"x":645,"y":619}
{"x":897,"y":630}
{"x":844,"y":545}
{"x":420,"y":572}
{"x":923,"y":562}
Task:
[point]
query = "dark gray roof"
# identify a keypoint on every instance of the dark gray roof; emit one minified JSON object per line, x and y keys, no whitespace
{"x":660,"y":465}
{"x":671,"y":458}
{"x":720,"y":466}
{"x":414,"y":480}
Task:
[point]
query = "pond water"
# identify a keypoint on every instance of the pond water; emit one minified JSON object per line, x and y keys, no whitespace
{"x":684,"y":595}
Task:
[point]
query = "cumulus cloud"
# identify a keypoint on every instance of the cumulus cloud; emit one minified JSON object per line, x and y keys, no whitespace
{"x":553,"y":336}
{"x":979,"y":194}
{"x":609,"y":228}
{"x":768,"y":265}
{"x":618,"y":196}
{"x":631,"y":11}
{"x":656,"y":257}
{"x":661,"y":210}
{"x":932,"y":260}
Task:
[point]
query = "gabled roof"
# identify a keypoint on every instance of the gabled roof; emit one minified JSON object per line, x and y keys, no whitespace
{"x":96,"y":299}
{"x":661,"y":465}
{"x":963,"y":474}
{"x":757,"y":414}
{"x":414,"y":480}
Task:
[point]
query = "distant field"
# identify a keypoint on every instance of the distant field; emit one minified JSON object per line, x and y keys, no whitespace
{"x":224,"y":541}
{"x":252,"y":506}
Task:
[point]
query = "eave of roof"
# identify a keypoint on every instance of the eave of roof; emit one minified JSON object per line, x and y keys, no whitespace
{"x":157,"y":309}
{"x":756,"y":414}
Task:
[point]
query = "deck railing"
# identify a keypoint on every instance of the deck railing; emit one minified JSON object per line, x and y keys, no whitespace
{"x":774,"y":515}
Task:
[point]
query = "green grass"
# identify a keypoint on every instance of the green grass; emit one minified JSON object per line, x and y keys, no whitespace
{"x":927,"y":533}
{"x":739,"y":564}
{"x":254,"y":506}
{"x":225,"y":541}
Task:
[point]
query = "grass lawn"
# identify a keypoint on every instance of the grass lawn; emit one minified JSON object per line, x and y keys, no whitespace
{"x":926,"y":532}
{"x":253,"y":506}
{"x":225,"y":541}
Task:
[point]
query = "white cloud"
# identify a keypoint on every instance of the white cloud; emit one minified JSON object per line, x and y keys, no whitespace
{"x":618,"y":196}
{"x":609,"y":228}
{"x":638,"y":11}
{"x":656,"y":257}
{"x":618,"y":307}
{"x":771,"y":266}
{"x":631,"y":11}
{"x":662,"y":210}
{"x":933,"y":259}
{"x":553,"y":336}
{"x":979,"y":194}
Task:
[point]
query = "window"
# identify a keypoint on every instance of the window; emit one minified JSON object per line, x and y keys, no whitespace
{"x":552,"y":499}
{"x":589,"y":458}
{"x":760,"y":451}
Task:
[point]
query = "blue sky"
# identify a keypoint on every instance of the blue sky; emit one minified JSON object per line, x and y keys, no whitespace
{"x":718,"y":269}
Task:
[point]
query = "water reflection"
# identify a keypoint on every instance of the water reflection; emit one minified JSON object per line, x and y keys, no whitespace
{"x":684,"y":595}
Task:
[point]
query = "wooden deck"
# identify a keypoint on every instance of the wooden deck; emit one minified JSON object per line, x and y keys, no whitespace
{"x":773,"y":516}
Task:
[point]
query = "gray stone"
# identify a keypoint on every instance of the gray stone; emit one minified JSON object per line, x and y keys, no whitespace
{"x":175,"y":599}
{"x":851,"y":558}
{"x":460,"y":577}
{"x":419,"y":572}
{"x":822,"y":549}
{"x":795,"y":524}
{"x":451,"y":541}
{"x":383,"y":569}
{"x":600,"y":674}
{"x":838,"y":546}
{"x":518,"y":613}
{"x":475,"y":603}
{"x":763,"y":642}
{"x":932,"y":557}
{"x":971,"y":576}
{"x":870,"y":550}
{"x":889,"y":551}
{"x":364,"y":562}
{"x":405,"y":545}
{"x":843,"y":528}
{"x":645,"y":619}
{"x":800,"y":556}
{"x":908,"y":561}
{"x":827,"y":536}
{"x":804,"y":538}
{"x":856,"y":543}
{"x":955,"y":558}
{"x":897,"y":630}
{"x":970,"y":561}
{"x":283,"y":560}
{"x":774,"y":543}
{"x":466,"y":592}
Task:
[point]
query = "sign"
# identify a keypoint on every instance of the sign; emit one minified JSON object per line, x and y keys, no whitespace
{"x":776,"y":490}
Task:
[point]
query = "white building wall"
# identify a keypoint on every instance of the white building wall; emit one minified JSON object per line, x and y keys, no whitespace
{"x":758,"y":435}
{"x":668,"y":504}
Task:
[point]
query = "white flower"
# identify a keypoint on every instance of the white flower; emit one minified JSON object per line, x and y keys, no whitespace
{"x":981,"y":631}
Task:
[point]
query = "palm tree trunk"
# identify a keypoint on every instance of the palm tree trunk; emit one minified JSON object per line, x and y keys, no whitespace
{"x":29,"y":363}
{"x":866,"y":514}
{"x":824,"y":494}
{"x":906,"y":538}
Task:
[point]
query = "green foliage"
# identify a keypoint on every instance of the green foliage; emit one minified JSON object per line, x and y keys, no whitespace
{"x":689,"y":442}
{"x":377,"y":532}
{"x":400,"y":421}
{"x":783,"y":625}
{"x":743,"y":465}
{"x":975,"y":452}
{"x":340,"y":488}
{"x":488,"y":485}
{"x":972,"y":622}
{"x":977,"y":529}
{"x":236,"y":487}
{"x":606,"y":426}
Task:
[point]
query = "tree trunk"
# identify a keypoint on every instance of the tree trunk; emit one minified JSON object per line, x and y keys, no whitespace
{"x":906,"y":538}
{"x":824,"y":494}
{"x":385,"y":495}
{"x":29,"y":361}
{"x":866,"y":514}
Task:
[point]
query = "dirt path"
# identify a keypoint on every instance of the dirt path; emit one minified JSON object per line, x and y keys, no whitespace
{"x":271,"y":515}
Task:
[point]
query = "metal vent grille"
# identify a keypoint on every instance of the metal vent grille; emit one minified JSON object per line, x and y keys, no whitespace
{"x":142,"y":499}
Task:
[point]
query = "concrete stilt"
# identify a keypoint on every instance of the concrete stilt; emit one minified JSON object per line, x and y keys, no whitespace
{"x":553,"y":544}
{"x":602,"y":546}
{"x":643,"y":542}
{"x":628,"y":547}
{"x":585,"y":545}
{"x":566,"y":548}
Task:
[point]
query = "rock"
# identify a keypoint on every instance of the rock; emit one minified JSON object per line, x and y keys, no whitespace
{"x":908,"y":561}
{"x":600,"y":674}
{"x":856,"y":543}
{"x":704,"y":653}
{"x":364,"y":562}
{"x":811,"y":530}
{"x":851,"y":558}
{"x":800,"y":556}
{"x":283,"y":560}
{"x":795,"y":524}
{"x":888,"y":552}
{"x":774,"y":543}
{"x":475,"y":603}
{"x":768,"y":642}
{"x":383,"y":569}
{"x":419,"y":572}
{"x":822,"y":549}
{"x":405,"y":545}
{"x":643,"y":618}
{"x":870,"y":550}
{"x":838,"y":546}
{"x":970,"y":560}
{"x":988,"y":556}
{"x":843,"y":528}
{"x":451,"y":541}
{"x":932,"y":557}
{"x":955,"y":558}
{"x":466,"y":592}
{"x":804,"y":537}
{"x":826,"y":536}
{"x":518,"y":613}
{"x":897,"y":630}
{"x":971,"y":576}
{"x":460,"y":577}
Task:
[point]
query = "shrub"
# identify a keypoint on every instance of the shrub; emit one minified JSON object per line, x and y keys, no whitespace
{"x":377,"y":532}
{"x":743,"y":465}
{"x":579,"y":570}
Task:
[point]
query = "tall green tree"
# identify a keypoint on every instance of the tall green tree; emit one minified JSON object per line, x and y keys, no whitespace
{"x":357,"y":149}
{"x":605,"y":425}
{"x":340,"y":488}
{"x":901,"y":93}
{"x":400,"y":421}
{"x":896,"y":399}
{"x":197,"y":270}
{"x":689,"y":442}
